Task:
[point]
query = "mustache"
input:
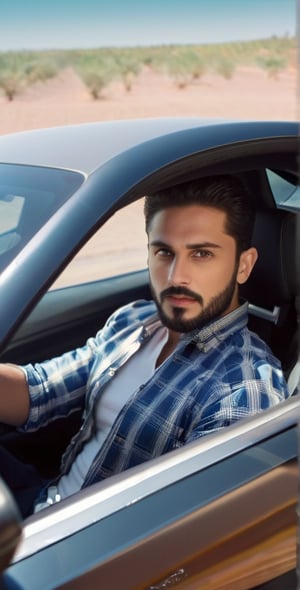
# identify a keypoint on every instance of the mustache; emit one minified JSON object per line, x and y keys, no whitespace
{"x":181,"y":291}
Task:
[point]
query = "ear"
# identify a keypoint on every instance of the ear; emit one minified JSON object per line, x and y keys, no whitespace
{"x":248,"y":259}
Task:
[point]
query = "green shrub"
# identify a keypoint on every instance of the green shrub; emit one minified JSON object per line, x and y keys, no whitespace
{"x":40,"y":70}
{"x":128,"y":68}
{"x":11,"y":83}
{"x":274,"y":64}
{"x":96,"y":80}
{"x":224,"y":67}
{"x":12,"y":75}
{"x":95,"y":71}
{"x":185,"y":65}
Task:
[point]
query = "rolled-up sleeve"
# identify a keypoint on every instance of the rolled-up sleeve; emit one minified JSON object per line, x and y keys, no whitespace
{"x":57,"y":387}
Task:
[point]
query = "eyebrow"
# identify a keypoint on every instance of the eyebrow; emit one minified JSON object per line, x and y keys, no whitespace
{"x":188,"y":246}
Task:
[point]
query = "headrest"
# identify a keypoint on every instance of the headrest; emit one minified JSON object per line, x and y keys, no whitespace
{"x":273,"y":279}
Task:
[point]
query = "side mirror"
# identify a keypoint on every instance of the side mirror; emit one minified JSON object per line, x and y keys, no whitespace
{"x":10,"y":526}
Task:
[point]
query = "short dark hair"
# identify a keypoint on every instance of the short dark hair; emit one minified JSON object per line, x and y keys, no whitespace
{"x":225,"y":192}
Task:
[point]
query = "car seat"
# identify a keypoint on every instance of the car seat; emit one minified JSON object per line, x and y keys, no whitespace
{"x":273,"y":289}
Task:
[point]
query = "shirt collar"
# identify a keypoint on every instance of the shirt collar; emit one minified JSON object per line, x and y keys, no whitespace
{"x":221,"y":328}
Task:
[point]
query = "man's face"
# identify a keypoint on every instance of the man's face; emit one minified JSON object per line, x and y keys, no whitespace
{"x":193,"y":266}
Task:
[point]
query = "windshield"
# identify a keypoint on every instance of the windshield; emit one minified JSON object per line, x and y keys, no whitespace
{"x":29,"y":196}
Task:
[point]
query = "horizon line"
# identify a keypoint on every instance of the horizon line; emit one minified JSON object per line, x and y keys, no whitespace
{"x":150,"y":45}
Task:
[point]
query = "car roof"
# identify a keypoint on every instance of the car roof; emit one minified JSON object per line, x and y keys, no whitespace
{"x":86,"y":147}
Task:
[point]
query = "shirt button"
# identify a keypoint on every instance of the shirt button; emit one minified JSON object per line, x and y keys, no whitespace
{"x":111,"y":371}
{"x":201,"y":346}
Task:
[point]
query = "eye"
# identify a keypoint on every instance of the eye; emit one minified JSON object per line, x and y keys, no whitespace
{"x":202,"y":254}
{"x":163,"y":253}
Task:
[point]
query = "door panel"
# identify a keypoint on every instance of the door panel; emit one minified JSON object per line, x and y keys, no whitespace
{"x":230,"y":525}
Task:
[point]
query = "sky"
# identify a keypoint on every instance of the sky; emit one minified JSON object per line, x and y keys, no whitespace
{"x":69,"y":24}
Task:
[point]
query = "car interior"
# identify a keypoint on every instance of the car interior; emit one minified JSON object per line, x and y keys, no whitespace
{"x":271,"y":289}
{"x":65,"y":318}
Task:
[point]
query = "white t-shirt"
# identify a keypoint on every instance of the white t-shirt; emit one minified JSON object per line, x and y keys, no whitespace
{"x":129,"y":378}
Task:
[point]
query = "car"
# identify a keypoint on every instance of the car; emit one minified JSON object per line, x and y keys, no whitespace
{"x":221,"y":512}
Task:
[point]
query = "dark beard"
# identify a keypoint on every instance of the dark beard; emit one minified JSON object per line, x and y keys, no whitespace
{"x":215,"y":309}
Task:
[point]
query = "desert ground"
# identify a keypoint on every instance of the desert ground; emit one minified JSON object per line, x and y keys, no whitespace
{"x":64,"y":100}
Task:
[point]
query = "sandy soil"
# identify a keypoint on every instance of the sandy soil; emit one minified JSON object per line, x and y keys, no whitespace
{"x":64,"y":100}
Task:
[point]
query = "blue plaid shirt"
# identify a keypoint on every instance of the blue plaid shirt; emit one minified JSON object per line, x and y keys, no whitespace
{"x":216,"y":375}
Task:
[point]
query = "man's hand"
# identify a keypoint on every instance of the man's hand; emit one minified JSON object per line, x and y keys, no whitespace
{"x":14,"y":395}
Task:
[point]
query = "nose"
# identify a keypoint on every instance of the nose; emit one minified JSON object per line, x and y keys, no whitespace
{"x":178,"y":272}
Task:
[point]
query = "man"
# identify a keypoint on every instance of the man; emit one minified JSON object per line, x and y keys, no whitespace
{"x":161,"y":373}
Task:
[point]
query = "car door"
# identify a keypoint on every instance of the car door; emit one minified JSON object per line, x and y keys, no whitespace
{"x":217,"y":514}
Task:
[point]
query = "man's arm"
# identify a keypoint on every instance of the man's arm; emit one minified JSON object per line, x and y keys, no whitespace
{"x":14,"y":395}
{"x":39,"y":393}
{"x":232,"y":403}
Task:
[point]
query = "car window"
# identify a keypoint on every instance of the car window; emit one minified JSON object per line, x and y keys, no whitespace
{"x":119,"y":247}
{"x":10,"y":212}
{"x":284,"y":192}
{"x":29,"y":196}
